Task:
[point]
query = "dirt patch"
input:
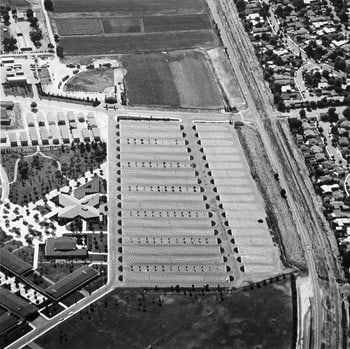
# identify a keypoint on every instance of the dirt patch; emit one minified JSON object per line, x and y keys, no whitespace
{"x":94,"y":80}
{"x":278,"y":212}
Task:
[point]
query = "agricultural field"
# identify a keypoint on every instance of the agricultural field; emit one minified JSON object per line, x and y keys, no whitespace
{"x":124,"y":7}
{"x":96,"y":45}
{"x":79,"y":26}
{"x":130,"y":318}
{"x":176,"y":79}
{"x":93,"y":80}
{"x":122,"y":25}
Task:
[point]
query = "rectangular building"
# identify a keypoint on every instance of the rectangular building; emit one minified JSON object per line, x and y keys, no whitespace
{"x":71,"y":282}
{"x":76,"y":135}
{"x":86,"y":135}
{"x":30,"y":119}
{"x":50,"y":117}
{"x":12,"y":263}
{"x":96,"y":134}
{"x":23,"y":137}
{"x":61,"y":119}
{"x":33,"y":136}
{"x":65,"y":134}
{"x":55,"y":133}
{"x":40,"y":118}
{"x":71,"y":116}
{"x":13,"y":139}
{"x":91,"y":120}
{"x":44,"y":135}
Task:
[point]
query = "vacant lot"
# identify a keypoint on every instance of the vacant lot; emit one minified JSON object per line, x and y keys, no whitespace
{"x":78,"y":26}
{"x":122,"y":25}
{"x":129,"y":318}
{"x":129,"y":6}
{"x":91,"y":45}
{"x":94,"y":80}
{"x":195,"y":81}
{"x":175,"y":23}
{"x":149,"y":80}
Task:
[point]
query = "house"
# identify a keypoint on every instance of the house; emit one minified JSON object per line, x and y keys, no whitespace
{"x":30,"y":119}
{"x":76,"y":135}
{"x":13,"y":139}
{"x":96,"y":134}
{"x":71,"y":116}
{"x":86,"y":135}
{"x":50,"y":117}
{"x":55,"y":133}
{"x":40,"y":118}
{"x":61,"y":119}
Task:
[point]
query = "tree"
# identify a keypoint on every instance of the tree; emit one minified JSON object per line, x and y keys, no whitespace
{"x":9,"y":44}
{"x":36,"y":35}
{"x":48,"y":5}
{"x":240,"y":5}
{"x":346,"y":113}
{"x":59,"y":51}
{"x":294,"y":123}
{"x":332,"y":115}
{"x":302,"y":113}
{"x":33,"y":105}
{"x":49,"y":45}
{"x":30,"y":14}
{"x":6,"y":18}
{"x":34,"y":23}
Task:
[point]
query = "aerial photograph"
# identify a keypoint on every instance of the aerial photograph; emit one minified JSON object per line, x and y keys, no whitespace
{"x":175,"y":174}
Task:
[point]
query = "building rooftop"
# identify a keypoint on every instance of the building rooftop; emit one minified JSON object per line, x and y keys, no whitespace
{"x":7,"y":322}
{"x":15,"y":304}
{"x":71,"y":282}
{"x":64,"y":247}
{"x":12,"y":263}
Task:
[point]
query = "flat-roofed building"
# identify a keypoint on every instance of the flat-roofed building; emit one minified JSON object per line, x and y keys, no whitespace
{"x":76,"y":134}
{"x":44,"y":135}
{"x":23,"y":138}
{"x":3,"y":137}
{"x":50,"y":117}
{"x":55,"y":133}
{"x":64,"y":247}
{"x":73,"y":125}
{"x":71,"y":282}
{"x":65,"y":133}
{"x":30,"y":119}
{"x":33,"y":134}
{"x":71,"y":116}
{"x":61,"y":119}
{"x":8,"y":321}
{"x":91,"y":120}
{"x":86,"y":135}
{"x":96,"y":134}
{"x":40,"y":118}
{"x":13,"y":139}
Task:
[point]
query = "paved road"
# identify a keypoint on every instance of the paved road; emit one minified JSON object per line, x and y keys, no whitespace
{"x":4,"y":184}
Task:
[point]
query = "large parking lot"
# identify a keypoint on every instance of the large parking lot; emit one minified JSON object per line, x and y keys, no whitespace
{"x":189,"y":212}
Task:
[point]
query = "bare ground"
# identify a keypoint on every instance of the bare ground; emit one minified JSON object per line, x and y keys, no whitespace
{"x":278,"y":212}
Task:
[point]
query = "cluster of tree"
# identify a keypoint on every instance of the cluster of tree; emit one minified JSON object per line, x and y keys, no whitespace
{"x":59,"y":51}
{"x":10,"y":44}
{"x":48,"y":5}
{"x":5,"y":15}
{"x":32,"y":19}
{"x":36,"y":35}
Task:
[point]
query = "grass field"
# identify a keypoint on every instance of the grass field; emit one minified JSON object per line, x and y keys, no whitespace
{"x":129,"y":318}
{"x":79,"y":26}
{"x":149,"y":80}
{"x":195,"y":81}
{"x":92,"y":80}
{"x":175,"y":79}
{"x":122,"y":25}
{"x":91,"y":45}
{"x":175,"y":23}
{"x":129,"y":6}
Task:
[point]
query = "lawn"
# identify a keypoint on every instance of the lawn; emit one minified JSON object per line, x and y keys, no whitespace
{"x":26,"y":253}
{"x":91,"y":45}
{"x":92,"y":80}
{"x":175,"y":23}
{"x":130,"y":6}
{"x":78,"y":26}
{"x":122,"y":25}
{"x":8,"y":161}
{"x":195,"y":81}
{"x":149,"y":80}
{"x":131,"y":318}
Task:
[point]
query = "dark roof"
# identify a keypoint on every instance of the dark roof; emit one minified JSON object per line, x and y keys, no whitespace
{"x":64,"y":247}
{"x":12,"y":263}
{"x":7,"y":322}
{"x":16,"y":304}
{"x":71,"y":282}
{"x":95,"y":185}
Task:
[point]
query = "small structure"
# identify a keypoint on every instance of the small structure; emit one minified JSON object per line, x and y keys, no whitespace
{"x":96,"y":134}
{"x":44,"y":135}
{"x":13,"y":139}
{"x":81,"y":117}
{"x":55,"y":133}
{"x":3,"y":137}
{"x":33,"y":136}
{"x":86,"y":135}
{"x":71,"y":116}
{"x":30,"y":119}
{"x":50,"y":117}
{"x":76,"y":134}
{"x":91,"y":120}
{"x":61,"y":120}
{"x":23,"y":137}
{"x":5,"y":117}
{"x":40,"y":118}
{"x":64,"y":133}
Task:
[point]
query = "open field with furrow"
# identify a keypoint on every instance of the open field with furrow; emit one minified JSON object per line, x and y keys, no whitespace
{"x":122,"y":25}
{"x":79,"y":26}
{"x":129,"y":6}
{"x":94,"y":45}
